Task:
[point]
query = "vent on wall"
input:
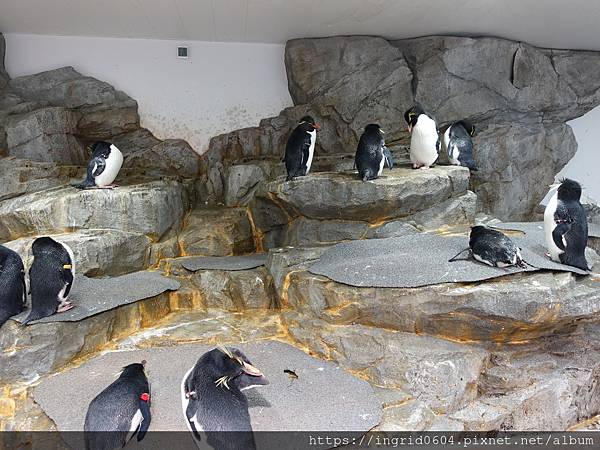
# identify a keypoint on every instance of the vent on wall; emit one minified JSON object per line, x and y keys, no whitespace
{"x":183,"y":52}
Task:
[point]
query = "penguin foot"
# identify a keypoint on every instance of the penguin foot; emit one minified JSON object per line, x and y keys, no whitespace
{"x":425,"y":168}
{"x":415,"y":166}
{"x":110,"y":186}
{"x":64,"y":307}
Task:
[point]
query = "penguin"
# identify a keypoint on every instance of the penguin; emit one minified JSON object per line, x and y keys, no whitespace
{"x":51,"y":278}
{"x":212,"y":398}
{"x":120,"y":411}
{"x":459,"y":145}
{"x":300,"y":148}
{"x":372,"y":154}
{"x":13,"y":290}
{"x":565,"y":225}
{"x":103,"y":167}
{"x":424,"y":140}
{"x":494,"y":248}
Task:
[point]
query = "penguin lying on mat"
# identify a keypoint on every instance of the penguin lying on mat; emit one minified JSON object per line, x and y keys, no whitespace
{"x":459,"y":145}
{"x":120,"y":411}
{"x":493,"y":248}
{"x":300,"y":148}
{"x":13,"y":291}
{"x":51,"y":278}
{"x":103,"y":167}
{"x":372,"y":154}
{"x":212,"y":398}
{"x":565,"y":225}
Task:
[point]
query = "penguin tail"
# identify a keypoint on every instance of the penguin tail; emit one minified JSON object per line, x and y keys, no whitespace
{"x":85,"y":184}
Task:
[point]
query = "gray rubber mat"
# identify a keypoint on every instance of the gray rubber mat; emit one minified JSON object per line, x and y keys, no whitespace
{"x":92,"y":296}
{"x":323,"y":397}
{"x":420,"y":260}
{"x":230,"y":263}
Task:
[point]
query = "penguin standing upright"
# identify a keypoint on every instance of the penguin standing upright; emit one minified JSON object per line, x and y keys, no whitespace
{"x":565,"y":225}
{"x":103,"y":167}
{"x":13,"y":292}
{"x":372,"y":154}
{"x":424,"y":139}
{"x":459,"y":145}
{"x":120,"y":411}
{"x":213,"y":401}
{"x":300,"y":148}
{"x":51,"y":278}
{"x":494,"y":248}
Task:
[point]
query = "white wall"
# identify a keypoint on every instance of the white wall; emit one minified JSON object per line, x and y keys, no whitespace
{"x":222,"y":87}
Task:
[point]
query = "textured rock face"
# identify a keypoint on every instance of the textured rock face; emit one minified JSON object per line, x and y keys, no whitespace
{"x":3,"y":75}
{"x":173,"y":156}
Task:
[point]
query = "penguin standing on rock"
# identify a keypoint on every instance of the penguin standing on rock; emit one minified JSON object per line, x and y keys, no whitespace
{"x":120,"y":411}
{"x":103,"y":167}
{"x":50,"y":278}
{"x":565,"y":225}
{"x":213,"y":401}
{"x":424,"y":139}
{"x":13,"y":291}
{"x":459,"y":145}
{"x":494,"y":248}
{"x":372,"y":154}
{"x":300,"y":148}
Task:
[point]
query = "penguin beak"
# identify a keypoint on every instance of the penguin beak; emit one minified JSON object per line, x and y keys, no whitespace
{"x":317,"y":127}
{"x":251,"y":370}
{"x":409,"y":128}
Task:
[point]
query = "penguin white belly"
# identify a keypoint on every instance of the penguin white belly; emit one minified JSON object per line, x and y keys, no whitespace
{"x":311,"y":149}
{"x":549,"y":226}
{"x":381,"y":164}
{"x":451,"y":149}
{"x":113,"y":166}
{"x":423,"y":142}
{"x":184,"y":404}
{"x":136,"y":421}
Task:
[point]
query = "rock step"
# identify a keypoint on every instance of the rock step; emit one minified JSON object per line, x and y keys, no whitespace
{"x":151,"y":209}
{"x":329,"y":207}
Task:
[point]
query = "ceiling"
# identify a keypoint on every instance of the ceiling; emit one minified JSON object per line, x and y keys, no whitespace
{"x":548,"y":23}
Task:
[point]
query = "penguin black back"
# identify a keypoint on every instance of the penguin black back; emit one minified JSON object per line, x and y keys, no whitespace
{"x":571,"y":231}
{"x":213,"y":401}
{"x":51,"y":277}
{"x":120,"y":411}
{"x":13,"y":292}
{"x":369,"y":158}
{"x":459,"y":145}
{"x":299,"y":150}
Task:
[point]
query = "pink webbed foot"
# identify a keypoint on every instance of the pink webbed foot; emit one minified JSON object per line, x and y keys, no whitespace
{"x":64,"y":307}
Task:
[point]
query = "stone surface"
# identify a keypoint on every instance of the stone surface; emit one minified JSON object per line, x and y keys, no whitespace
{"x":229,"y":263}
{"x":98,"y":252}
{"x":46,"y":135}
{"x":19,"y":177}
{"x":172,"y":157}
{"x":3,"y":75}
{"x":242,"y":182}
{"x":217,"y":232}
{"x":324,"y":397}
{"x":151,"y":209}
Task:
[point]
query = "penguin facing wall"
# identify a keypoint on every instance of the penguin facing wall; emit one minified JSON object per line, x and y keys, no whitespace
{"x":492,"y":247}
{"x":51,"y":278}
{"x":213,"y":401}
{"x":103,"y":167}
{"x":372,"y":154}
{"x":120,"y":411}
{"x":300,"y":148}
{"x":13,"y":290}
{"x":565,"y":225}
{"x":424,"y":137}
{"x":459,"y":145}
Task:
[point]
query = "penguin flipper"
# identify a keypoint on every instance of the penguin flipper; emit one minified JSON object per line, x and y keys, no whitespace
{"x":558,"y":233}
{"x":96,"y":166}
{"x":389,"y":158}
{"x":146,"y":418}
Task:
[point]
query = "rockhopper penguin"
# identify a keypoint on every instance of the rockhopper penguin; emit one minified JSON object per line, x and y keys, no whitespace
{"x":565,"y":225}
{"x":13,"y":291}
{"x":459,"y":145}
{"x":213,"y":401}
{"x":51,"y":278}
{"x":103,"y":167}
{"x":372,"y":154}
{"x":494,"y":248}
{"x":424,"y":139}
{"x":120,"y":411}
{"x":300,"y":148}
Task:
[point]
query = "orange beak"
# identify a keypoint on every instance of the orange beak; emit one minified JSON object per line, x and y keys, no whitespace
{"x":251,"y":370}
{"x":317,"y":126}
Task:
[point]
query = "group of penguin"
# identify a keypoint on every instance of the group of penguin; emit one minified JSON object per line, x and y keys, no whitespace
{"x":372,"y":154}
{"x":52,"y":272}
{"x":565,"y":220}
{"x":212,"y":401}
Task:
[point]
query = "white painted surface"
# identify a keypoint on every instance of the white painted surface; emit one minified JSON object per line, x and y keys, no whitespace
{"x":548,"y":23}
{"x":220,"y":88}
